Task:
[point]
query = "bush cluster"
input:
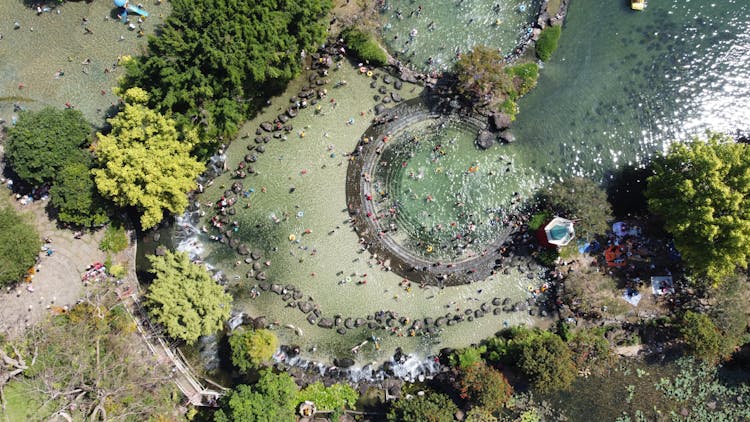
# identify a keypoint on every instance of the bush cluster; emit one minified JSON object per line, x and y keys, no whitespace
{"x":547,"y":42}
{"x":364,"y":46}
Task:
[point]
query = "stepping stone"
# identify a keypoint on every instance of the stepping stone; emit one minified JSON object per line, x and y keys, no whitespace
{"x":349,"y":323}
{"x":305,"y":307}
{"x":311,"y":319}
{"x":325,"y":323}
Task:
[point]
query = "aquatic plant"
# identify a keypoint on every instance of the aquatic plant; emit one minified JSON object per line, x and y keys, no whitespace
{"x":364,"y":46}
{"x":547,"y":42}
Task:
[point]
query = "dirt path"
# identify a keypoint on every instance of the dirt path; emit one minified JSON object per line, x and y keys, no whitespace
{"x":58,"y":283}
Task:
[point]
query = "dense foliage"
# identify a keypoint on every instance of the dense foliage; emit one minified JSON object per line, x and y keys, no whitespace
{"x":363,"y":45}
{"x":335,"y":397}
{"x":481,"y":75}
{"x":271,"y":399}
{"x":214,"y":58}
{"x":702,"y":190}
{"x":582,"y":200}
{"x":185,"y":299}
{"x":75,"y":198}
{"x":547,"y":42}
{"x":115,"y":239}
{"x":42,"y":142}
{"x":19,"y":246}
{"x":252,"y":348}
{"x":144,"y":162}
{"x":431,"y":407}
{"x":91,"y":364}
{"x":486,"y":387}
{"x":701,"y":336}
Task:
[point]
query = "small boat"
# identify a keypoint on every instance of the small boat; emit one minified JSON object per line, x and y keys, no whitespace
{"x":637,"y":4}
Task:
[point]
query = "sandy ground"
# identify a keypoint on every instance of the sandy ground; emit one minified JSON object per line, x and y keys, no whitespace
{"x":58,"y":283}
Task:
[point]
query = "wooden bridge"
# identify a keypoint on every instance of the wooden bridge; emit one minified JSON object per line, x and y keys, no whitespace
{"x":184,"y":375}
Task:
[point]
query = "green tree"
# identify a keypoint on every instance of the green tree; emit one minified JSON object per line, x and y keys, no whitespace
{"x":547,"y":42}
{"x":19,"y":246}
{"x":76,"y":199}
{"x":480,"y":414}
{"x":481,"y":76}
{"x":272,"y":399}
{"x":326,"y":399}
{"x":547,"y":361}
{"x":431,"y":407}
{"x":252,"y":348}
{"x":702,"y":336}
{"x":42,"y":142}
{"x":144,"y":163}
{"x":582,"y":200}
{"x":215,"y":58}
{"x":702,"y":190}
{"x":485,"y":386}
{"x":184,"y":299}
{"x":363,"y":45}
{"x":467,"y":357}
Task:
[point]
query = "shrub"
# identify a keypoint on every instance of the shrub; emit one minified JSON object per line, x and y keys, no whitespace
{"x":485,"y":386}
{"x":364,"y":46}
{"x":702,"y":336}
{"x":524,"y":78}
{"x":115,"y":239}
{"x":76,"y":199}
{"x":468,"y":357}
{"x":432,"y":407}
{"x":252,"y":348}
{"x":335,"y":397}
{"x":19,"y":246}
{"x":547,"y":42}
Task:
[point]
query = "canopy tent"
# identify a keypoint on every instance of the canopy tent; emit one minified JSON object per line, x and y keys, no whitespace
{"x":558,"y":232}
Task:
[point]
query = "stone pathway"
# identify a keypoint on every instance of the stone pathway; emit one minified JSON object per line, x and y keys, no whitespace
{"x":58,"y":283}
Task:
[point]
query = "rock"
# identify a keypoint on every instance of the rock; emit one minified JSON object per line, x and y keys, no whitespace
{"x":293,"y":100}
{"x":276,"y":288}
{"x":387,"y":79}
{"x":341,"y":330}
{"x":383,"y":90}
{"x":379,"y":108}
{"x":506,"y":301}
{"x":496,"y":301}
{"x":485,"y":139}
{"x":260,"y":322}
{"x":485,"y":307}
{"x":497,"y":311}
{"x":251,"y":158}
{"x":256,"y":266}
{"x":258,"y":131}
{"x":372,"y":325}
{"x":440,"y":321}
{"x":392,"y":322}
{"x":500,"y":121}
{"x":283,"y":118}
{"x":297,"y":295}
{"x":311,"y":319}
{"x":478,"y":313}
{"x":325,"y":323}
{"x":255,"y":254}
{"x":343,"y":362}
{"x":261,"y":149}
{"x":373,"y":84}
{"x":470,"y":318}
{"x":396,"y":97}
{"x":337,"y":321}
{"x":386,"y":100}
{"x":264,"y":286}
{"x":305,"y":307}
{"x":317,"y":313}
{"x":267,"y":126}
{"x":160,"y":251}
{"x":260,"y":276}
{"x":359,"y":322}
{"x":520,"y":306}
{"x":507,"y":136}
{"x":468,"y":312}
{"x":291,"y":112}
{"x":287,"y":297}
{"x":398,"y":84}
{"x":429,"y":321}
{"x":349,"y":323}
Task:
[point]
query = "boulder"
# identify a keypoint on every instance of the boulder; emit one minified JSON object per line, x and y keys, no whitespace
{"x":264,"y":286}
{"x":343,"y":362}
{"x":379,"y":108}
{"x":291,"y":112}
{"x":496,"y":301}
{"x":283,"y":118}
{"x":396,"y":97}
{"x":260,"y":276}
{"x":260,"y":322}
{"x":507,"y":136}
{"x":341,"y":330}
{"x":386,"y":100}
{"x":497,"y":311}
{"x":311,"y":319}
{"x":251,"y":158}
{"x":255,"y":254}
{"x":349,"y":323}
{"x":305,"y":307}
{"x":387,"y":79}
{"x":261,"y":149}
{"x":500,"y":121}
{"x":440,"y":321}
{"x":325,"y":323}
{"x":478,"y":313}
{"x":267,"y":126}
{"x":276,"y":288}
{"x":485,"y":307}
{"x":398,"y":84}
{"x":373,"y":325}
{"x":485,"y":139}
{"x":256,"y":266}
{"x":359,"y":322}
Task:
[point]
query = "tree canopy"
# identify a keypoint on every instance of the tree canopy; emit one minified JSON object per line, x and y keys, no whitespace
{"x":184,"y":299}
{"x":702,"y":190}
{"x":485,"y":387}
{"x":215,"y":57}
{"x":481,"y":74}
{"x":702,"y":336}
{"x":335,"y":397}
{"x":252,"y":348}
{"x":582,"y":200}
{"x":144,"y":162}
{"x":431,"y":407}
{"x":76,"y":199}
{"x":547,"y":361}
{"x":42,"y":142}
{"x":271,"y":399}
{"x":19,"y":246}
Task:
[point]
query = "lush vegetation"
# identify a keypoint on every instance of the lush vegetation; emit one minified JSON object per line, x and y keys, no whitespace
{"x":252,"y":348}
{"x":363,"y":45}
{"x":42,"y":142}
{"x":185,"y":299}
{"x":702,"y":336}
{"x":88,"y":364}
{"x":430,"y":407}
{"x":19,"y":246}
{"x":485,"y":81}
{"x":144,"y":162}
{"x":582,"y":200}
{"x":702,"y":190}
{"x":547,"y":42}
{"x":271,"y":399}
{"x":75,"y":198}
{"x":486,"y":387}
{"x":333,"y":398}
{"x":115,"y":239}
{"x":216,"y":58}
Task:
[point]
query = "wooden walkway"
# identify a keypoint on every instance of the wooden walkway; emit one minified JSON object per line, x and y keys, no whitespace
{"x":184,"y":376}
